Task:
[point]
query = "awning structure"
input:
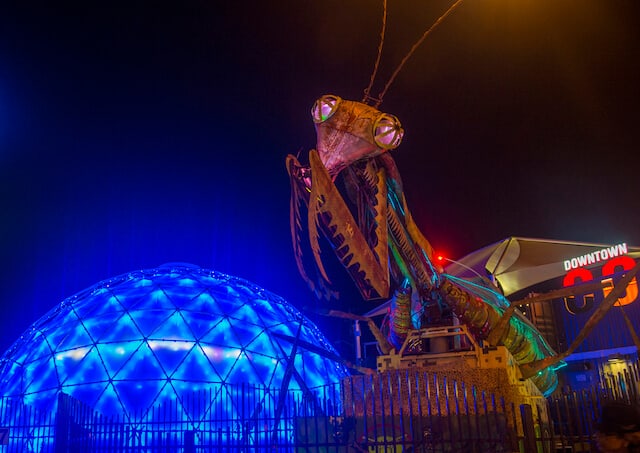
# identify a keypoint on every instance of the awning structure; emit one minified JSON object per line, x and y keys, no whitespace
{"x":518,"y":263}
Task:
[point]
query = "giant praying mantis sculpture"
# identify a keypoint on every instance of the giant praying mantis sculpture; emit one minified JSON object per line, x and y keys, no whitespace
{"x":373,"y":233}
{"x":374,"y":236}
{"x":377,"y":241}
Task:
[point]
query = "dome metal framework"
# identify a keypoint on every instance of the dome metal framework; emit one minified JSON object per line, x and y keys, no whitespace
{"x":143,"y":338}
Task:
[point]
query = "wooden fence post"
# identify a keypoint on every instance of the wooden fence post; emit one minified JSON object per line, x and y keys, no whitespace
{"x":528,"y":429}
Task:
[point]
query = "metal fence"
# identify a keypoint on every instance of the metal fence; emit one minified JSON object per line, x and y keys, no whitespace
{"x":404,"y":411}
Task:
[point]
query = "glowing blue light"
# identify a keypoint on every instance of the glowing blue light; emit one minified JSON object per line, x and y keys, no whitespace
{"x":150,"y":336}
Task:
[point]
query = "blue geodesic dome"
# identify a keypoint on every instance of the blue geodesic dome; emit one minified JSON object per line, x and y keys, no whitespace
{"x":140,"y":339}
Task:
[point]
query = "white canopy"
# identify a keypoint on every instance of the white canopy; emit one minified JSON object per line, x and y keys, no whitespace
{"x":518,"y":263}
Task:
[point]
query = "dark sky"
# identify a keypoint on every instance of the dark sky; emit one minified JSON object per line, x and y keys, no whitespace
{"x":138,"y":133}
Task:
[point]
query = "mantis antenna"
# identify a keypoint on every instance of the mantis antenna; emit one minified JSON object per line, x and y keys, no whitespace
{"x":367,"y":97}
{"x":427,"y":32}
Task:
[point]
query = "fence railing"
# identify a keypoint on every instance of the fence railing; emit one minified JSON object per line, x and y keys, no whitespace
{"x":390,"y":412}
{"x":24,"y":428}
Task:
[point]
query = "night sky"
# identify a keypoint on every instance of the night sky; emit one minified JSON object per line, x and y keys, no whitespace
{"x":138,"y":133}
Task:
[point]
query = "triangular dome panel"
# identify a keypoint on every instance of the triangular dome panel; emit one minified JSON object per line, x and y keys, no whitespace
{"x":143,"y":365}
{"x":221,"y":335}
{"x":148,"y":321}
{"x":199,"y":323}
{"x":115,"y":327}
{"x":197,"y":367}
{"x":171,"y":353}
{"x":115,"y":355}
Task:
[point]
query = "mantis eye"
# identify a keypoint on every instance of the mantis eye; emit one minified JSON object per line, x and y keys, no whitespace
{"x":325,"y":107}
{"x":387,"y":131}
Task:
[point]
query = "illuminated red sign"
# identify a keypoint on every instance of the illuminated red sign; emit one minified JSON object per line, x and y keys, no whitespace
{"x":613,"y":266}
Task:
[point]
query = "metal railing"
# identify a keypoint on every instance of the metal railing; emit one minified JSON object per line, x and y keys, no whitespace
{"x":406,"y":411}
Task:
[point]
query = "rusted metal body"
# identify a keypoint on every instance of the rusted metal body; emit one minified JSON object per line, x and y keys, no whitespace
{"x":375,"y":238}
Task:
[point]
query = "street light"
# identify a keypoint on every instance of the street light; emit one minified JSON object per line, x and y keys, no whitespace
{"x":484,"y":278}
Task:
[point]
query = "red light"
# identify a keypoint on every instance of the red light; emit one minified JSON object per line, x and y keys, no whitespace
{"x":439,"y":257}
